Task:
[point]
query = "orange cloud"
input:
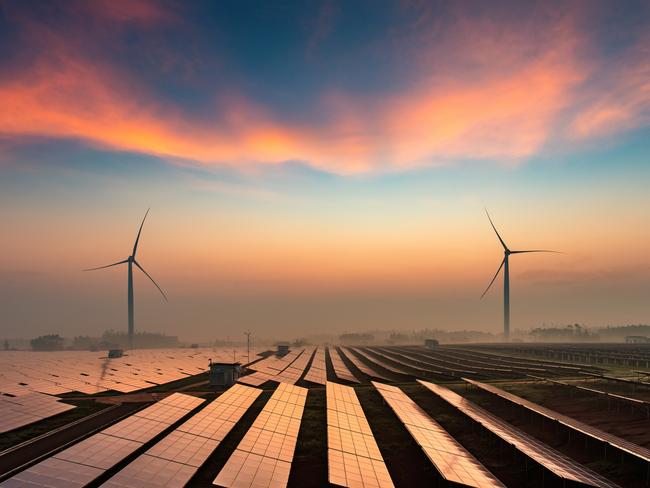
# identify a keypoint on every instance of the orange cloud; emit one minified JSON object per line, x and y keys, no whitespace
{"x":506,"y":115}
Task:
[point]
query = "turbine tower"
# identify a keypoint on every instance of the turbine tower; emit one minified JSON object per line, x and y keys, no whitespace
{"x":506,"y":277}
{"x":130,"y":261}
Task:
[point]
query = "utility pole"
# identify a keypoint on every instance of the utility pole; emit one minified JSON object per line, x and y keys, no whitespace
{"x":248,"y":346}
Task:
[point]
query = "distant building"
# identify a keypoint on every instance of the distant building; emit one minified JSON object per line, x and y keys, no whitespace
{"x":430,"y":343}
{"x":115,"y":353}
{"x":637,"y":339}
{"x":283,"y":348}
{"x":224,"y":374}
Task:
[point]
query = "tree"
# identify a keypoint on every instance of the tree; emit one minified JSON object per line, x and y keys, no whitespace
{"x":50,"y":342}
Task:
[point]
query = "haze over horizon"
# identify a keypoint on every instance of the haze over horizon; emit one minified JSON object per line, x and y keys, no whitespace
{"x":310,"y":173}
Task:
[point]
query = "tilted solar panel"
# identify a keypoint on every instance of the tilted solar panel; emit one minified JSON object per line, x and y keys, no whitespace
{"x":641,"y":452}
{"x":554,"y":461}
{"x":175,"y":459}
{"x":83,"y":462}
{"x":340,"y":369}
{"x":263,"y":457}
{"x":453,"y":461}
{"x":354,"y":459}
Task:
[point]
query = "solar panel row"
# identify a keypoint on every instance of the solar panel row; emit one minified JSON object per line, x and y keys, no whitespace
{"x":412,"y":363}
{"x":453,"y":461}
{"x":28,"y":407}
{"x":264,"y":455}
{"x":175,"y":459}
{"x":363,"y":367}
{"x":25,"y":377}
{"x":340,"y":369}
{"x":318,"y":370}
{"x":296,"y":369}
{"x":588,"y":430}
{"x":555,"y":462}
{"x":454,"y":366}
{"x":270,"y":368}
{"x":353,"y":456}
{"x":632,"y":401}
{"x":381,"y":362}
{"x":83,"y":462}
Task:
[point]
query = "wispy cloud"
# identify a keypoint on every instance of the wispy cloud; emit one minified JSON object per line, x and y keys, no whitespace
{"x":483,"y":87}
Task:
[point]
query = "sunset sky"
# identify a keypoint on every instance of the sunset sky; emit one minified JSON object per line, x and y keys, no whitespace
{"x":321,"y":167}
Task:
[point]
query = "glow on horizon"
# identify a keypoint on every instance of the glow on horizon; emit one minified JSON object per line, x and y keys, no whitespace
{"x":335,"y":180}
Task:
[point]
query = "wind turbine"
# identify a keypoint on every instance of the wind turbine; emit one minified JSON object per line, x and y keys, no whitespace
{"x":130,"y":261}
{"x":506,"y":277}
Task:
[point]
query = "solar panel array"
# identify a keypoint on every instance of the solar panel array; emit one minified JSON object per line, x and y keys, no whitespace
{"x":632,"y":401}
{"x":263,"y":457}
{"x":175,"y":459}
{"x":83,"y":462}
{"x":363,"y":367}
{"x":296,"y":369}
{"x":27,"y":378}
{"x":353,"y":457}
{"x":318,"y":370}
{"x":453,"y":461}
{"x":340,"y":369}
{"x":554,"y":461}
{"x":445,"y":364}
{"x":271,"y":368}
{"x":381,"y":362}
{"x":588,"y":430}
{"x":26,"y":407}
{"x":421,"y":367}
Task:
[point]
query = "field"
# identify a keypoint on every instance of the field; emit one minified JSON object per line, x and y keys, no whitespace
{"x":586,"y":408}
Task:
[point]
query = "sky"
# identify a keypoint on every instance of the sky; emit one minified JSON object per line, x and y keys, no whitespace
{"x":322,"y":167}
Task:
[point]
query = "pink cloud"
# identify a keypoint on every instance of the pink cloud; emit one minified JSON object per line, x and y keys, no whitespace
{"x":481,"y":89}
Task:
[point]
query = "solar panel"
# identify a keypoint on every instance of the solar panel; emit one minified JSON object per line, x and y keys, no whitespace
{"x":24,"y":407}
{"x":408,"y":361}
{"x":384,"y":364}
{"x":632,"y":401}
{"x":340,"y":369}
{"x":318,"y":370}
{"x":152,"y":472}
{"x":263,"y":457}
{"x":88,"y":372}
{"x":84,"y":461}
{"x":557,"y":463}
{"x":54,"y":473}
{"x":588,"y":430}
{"x":286,"y":369}
{"x":363,"y":367}
{"x":175,"y":459}
{"x":353,"y":456}
{"x":453,"y":461}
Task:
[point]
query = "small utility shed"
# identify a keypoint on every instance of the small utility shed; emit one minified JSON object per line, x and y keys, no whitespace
{"x":224,"y":374}
{"x":430,"y":343}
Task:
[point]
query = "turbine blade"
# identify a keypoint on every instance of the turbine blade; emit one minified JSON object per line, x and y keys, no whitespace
{"x":107,"y":266}
{"x":152,"y":280}
{"x":496,"y":231}
{"x":135,"y":246}
{"x":536,"y":250}
{"x":495,"y":277}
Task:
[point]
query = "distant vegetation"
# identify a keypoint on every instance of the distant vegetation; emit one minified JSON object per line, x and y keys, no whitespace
{"x":578,"y":333}
{"x":50,"y":342}
{"x":356,"y":338}
{"x":109,"y":340}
